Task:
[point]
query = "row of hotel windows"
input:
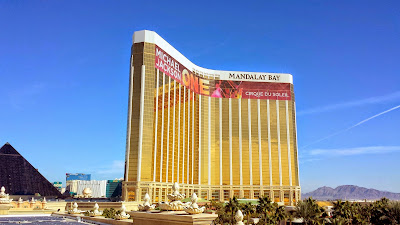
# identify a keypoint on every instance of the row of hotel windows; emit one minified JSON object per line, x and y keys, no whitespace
{"x":172,"y":111}
{"x":148,"y":122}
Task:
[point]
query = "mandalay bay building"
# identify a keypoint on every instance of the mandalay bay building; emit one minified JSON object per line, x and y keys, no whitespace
{"x":217,"y":133}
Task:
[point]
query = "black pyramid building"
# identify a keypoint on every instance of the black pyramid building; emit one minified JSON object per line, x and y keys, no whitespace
{"x":19,"y":177}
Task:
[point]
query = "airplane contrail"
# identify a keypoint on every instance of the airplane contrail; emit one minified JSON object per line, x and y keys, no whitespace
{"x":355,"y":125}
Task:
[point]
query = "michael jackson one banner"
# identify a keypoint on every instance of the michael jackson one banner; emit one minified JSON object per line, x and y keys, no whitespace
{"x":219,"y":88}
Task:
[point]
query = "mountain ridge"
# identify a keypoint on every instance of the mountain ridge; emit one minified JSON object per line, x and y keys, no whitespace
{"x":350,"y":192}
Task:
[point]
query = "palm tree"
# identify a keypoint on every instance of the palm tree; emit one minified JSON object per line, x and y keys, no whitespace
{"x":248,"y":209}
{"x":270,"y":213}
{"x":264,"y":210}
{"x":230,"y":210}
{"x":280,"y":214}
{"x":394,"y":212}
{"x":290,"y":216}
{"x":380,"y":212}
{"x":351,"y":213}
{"x":310,"y":211}
{"x":343,"y":210}
{"x":264,"y":205}
{"x":338,"y":221}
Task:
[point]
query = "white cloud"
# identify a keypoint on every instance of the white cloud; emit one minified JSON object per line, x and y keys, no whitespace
{"x":308,"y":160}
{"x":350,"y":104}
{"x":354,"y":151}
{"x":351,"y":127}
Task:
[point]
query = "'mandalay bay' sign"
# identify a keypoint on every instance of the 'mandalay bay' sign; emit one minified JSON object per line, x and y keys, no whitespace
{"x":266,"y":77}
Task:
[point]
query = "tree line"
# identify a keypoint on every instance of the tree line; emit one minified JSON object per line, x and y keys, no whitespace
{"x":381,"y":212}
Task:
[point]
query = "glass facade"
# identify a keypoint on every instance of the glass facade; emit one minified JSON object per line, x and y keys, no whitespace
{"x":113,"y":188}
{"x":77,"y":176}
{"x":217,"y":147}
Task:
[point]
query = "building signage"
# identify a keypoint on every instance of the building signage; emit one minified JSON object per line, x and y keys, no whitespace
{"x":266,"y":77}
{"x":232,"y":88}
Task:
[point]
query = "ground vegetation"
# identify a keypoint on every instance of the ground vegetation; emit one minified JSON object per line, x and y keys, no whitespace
{"x":380,"y":212}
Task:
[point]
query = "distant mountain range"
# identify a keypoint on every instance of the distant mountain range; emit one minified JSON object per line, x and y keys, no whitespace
{"x":350,"y":192}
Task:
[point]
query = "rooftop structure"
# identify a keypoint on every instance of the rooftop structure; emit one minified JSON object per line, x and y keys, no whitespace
{"x":77,"y":176}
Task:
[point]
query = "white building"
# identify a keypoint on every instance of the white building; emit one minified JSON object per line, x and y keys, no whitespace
{"x":98,"y":187}
{"x":72,"y":187}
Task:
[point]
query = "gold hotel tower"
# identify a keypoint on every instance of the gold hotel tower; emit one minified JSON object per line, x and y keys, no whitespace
{"x":217,"y":133}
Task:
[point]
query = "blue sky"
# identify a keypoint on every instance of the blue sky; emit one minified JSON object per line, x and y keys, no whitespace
{"x":64,"y":68}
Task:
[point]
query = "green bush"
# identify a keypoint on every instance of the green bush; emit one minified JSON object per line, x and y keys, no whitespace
{"x":110,"y":213}
{"x":87,"y":213}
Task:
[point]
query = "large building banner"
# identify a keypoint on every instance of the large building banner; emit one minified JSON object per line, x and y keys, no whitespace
{"x":220,"y":88}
